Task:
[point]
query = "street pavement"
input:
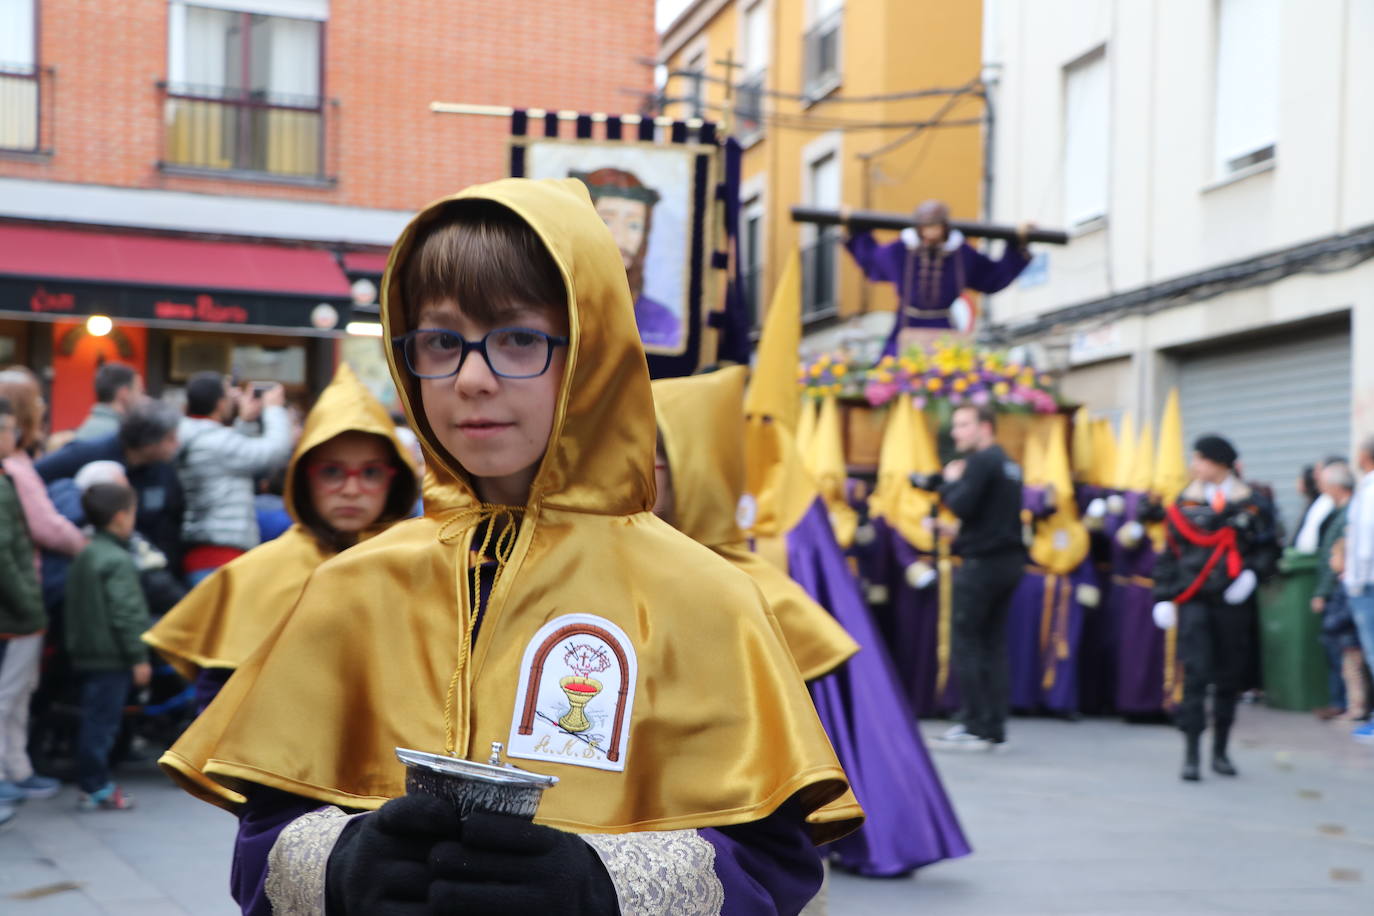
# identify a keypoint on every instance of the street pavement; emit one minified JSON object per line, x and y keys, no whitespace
{"x":1077,"y":817}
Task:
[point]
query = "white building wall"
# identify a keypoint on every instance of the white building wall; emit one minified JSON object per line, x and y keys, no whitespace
{"x":1170,"y":213}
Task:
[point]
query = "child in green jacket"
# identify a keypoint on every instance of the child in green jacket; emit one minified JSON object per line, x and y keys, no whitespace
{"x":105,"y":613}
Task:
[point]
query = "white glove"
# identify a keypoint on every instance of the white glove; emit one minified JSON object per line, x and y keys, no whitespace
{"x":1242,"y":588}
{"x":921,"y":575}
{"x":1130,"y":534}
{"x":1165,"y":614}
{"x":1097,"y":508}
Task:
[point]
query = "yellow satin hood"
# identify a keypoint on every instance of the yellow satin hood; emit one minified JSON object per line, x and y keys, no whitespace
{"x":223,"y":619}
{"x":713,"y":725}
{"x":701,"y":421}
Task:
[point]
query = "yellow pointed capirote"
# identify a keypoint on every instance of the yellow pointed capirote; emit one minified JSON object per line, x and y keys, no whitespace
{"x":1171,"y":468}
{"x":831,"y":472}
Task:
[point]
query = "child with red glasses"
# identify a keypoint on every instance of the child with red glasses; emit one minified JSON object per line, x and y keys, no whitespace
{"x":349,"y":479}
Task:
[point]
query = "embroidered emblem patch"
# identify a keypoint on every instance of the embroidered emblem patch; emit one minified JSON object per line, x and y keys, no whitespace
{"x":576,"y":694}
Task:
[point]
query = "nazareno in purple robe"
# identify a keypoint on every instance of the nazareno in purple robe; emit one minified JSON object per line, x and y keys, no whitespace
{"x":910,"y":821}
{"x":1140,"y":655}
{"x":1097,"y":666}
{"x":929,"y":283}
{"x":909,"y":622}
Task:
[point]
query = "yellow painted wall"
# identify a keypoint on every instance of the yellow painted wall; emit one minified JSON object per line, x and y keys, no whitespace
{"x":888,"y":46}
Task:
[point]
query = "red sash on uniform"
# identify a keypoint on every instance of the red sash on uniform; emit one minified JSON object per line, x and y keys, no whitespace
{"x":1223,"y":542}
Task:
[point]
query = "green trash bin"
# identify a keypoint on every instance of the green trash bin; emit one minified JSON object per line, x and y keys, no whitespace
{"x":1295,"y":668}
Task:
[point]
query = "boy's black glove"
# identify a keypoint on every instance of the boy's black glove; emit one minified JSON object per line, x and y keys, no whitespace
{"x":505,"y":865}
{"x":379,"y":866}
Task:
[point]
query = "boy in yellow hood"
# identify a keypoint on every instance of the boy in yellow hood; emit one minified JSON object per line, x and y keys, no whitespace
{"x":349,"y":479}
{"x":692,"y":759}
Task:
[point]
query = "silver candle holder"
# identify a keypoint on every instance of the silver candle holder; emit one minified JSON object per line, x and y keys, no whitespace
{"x":494,"y":787}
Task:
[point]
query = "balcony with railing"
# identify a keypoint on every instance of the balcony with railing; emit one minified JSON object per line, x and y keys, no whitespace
{"x":25,"y":92}
{"x":821,"y":55}
{"x":219,"y":131}
{"x":820,"y":269}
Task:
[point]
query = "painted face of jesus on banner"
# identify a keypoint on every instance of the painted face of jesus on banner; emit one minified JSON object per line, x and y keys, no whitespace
{"x":627,"y":207}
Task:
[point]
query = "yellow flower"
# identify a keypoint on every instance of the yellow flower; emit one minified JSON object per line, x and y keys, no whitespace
{"x":961,"y":385}
{"x":816,"y":370}
{"x":1001,"y":389}
{"x":841,"y":369}
{"x":1026,"y":379}
{"x":934,"y":382}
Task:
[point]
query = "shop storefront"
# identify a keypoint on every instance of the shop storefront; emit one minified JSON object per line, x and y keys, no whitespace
{"x":71,"y":299}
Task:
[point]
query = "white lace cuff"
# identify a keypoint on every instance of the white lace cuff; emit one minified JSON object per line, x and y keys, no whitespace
{"x":661,"y":873}
{"x":296,"y":865}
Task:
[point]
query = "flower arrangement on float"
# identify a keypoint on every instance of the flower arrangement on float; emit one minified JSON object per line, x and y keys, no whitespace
{"x":940,"y":377}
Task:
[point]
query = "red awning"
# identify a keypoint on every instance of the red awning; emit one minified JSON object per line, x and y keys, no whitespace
{"x":364,"y":262}
{"x":141,"y":260}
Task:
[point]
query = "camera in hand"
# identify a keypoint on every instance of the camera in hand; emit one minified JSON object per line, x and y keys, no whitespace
{"x":261,"y":388}
{"x":930,"y":483}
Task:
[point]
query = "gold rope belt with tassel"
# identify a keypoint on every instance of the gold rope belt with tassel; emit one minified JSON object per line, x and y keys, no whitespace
{"x":1054,"y":626}
{"x":502,"y":545}
{"x":944,"y":568}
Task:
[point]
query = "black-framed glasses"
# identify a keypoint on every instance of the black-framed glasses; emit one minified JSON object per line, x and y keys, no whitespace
{"x":509,"y":352}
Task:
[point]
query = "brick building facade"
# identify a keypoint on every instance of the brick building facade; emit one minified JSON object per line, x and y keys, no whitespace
{"x":296,"y":124}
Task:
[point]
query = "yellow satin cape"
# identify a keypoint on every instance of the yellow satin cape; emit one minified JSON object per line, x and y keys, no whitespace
{"x":701,"y":420}
{"x":226,"y":617}
{"x":375,"y":654}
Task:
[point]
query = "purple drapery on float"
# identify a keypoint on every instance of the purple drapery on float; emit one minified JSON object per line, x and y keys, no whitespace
{"x":910,"y":821}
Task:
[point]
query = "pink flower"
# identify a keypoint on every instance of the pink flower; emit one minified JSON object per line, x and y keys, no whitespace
{"x":979,"y":397}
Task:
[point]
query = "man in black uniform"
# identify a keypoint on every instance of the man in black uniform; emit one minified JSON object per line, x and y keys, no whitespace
{"x":1215,"y":542}
{"x":982,"y":488}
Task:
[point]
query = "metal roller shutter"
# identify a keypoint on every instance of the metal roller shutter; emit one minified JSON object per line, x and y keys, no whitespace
{"x":1284,"y":402}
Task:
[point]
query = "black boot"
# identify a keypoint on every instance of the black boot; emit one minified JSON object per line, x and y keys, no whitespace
{"x":1190,"y":758}
{"x":1221,"y":764}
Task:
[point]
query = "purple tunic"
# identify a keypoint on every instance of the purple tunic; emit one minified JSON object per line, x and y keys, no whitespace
{"x":1140,"y":649}
{"x":910,"y":821}
{"x":929,"y":283}
{"x":910,"y":623}
{"x":765,"y":867}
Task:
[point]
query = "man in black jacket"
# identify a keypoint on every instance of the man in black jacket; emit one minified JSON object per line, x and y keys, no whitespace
{"x":1217,"y":539}
{"x":983,"y":489}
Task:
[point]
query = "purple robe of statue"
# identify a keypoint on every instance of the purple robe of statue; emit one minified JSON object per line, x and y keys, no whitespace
{"x":658,"y":326}
{"x":910,"y":821}
{"x":928,"y":282}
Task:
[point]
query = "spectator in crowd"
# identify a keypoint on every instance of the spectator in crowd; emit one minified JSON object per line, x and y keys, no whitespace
{"x":105,"y":614}
{"x":1307,"y":489}
{"x":145,"y":445}
{"x":1308,"y":537}
{"x":49,"y":531}
{"x":22,"y":622}
{"x":49,"y":528}
{"x":220,"y":463}
{"x":1338,"y":629}
{"x":1358,"y":576}
{"x":117,"y":388}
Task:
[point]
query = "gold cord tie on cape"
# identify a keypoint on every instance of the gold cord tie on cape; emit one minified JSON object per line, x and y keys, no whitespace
{"x":500,"y":527}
